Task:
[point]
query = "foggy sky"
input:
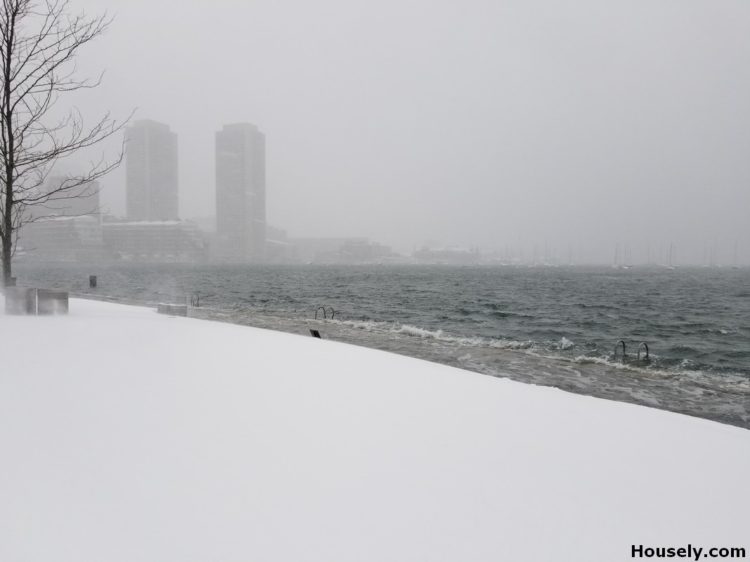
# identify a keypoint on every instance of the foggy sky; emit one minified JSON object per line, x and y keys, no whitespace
{"x":568,"y":125}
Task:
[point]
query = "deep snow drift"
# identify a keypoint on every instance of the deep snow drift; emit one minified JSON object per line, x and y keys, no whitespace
{"x":129,"y":436}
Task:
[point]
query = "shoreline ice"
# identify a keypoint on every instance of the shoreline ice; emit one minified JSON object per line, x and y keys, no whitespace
{"x":129,"y":435}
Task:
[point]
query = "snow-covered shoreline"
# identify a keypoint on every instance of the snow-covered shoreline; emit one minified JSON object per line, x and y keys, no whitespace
{"x":129,"y":435}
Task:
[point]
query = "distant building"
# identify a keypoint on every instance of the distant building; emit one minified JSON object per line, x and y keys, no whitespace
{"x":154,"y":241}
{"x":240,"y":193}
{"x":72,"y":201}
{"x":278,"y":247}
{"x":448,"y":256}
{"x":62,"y":238}
{"x":338,"y":250}
{"x":151,"y":172}
{"x":77,"y":201}
{"x":66,"y":227}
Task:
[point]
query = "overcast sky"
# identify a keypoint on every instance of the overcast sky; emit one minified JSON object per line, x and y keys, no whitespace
{"x":575,"y":125}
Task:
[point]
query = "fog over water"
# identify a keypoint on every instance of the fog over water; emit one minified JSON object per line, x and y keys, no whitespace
{"x":567,"y":126}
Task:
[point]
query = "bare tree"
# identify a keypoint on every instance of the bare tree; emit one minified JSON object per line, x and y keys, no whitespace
{"x":39,"y":42}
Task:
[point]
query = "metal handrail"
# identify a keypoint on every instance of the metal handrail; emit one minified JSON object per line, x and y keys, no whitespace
{"x":325,"y":310}
{"x":643,"y":344}
{"x":621,"y":342}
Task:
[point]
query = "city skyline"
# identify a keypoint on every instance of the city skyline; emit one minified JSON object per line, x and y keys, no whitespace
{"x":242,"y":238}
{"x":240,"y":185}
{"x":498,"y":124}
{"x":151,"y":172}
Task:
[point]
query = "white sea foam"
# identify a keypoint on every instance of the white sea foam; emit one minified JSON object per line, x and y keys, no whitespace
{"x":565,"y":343}
{"x":420,"y":332}
{"x":437,"y":335}
{"x":361,"y":324}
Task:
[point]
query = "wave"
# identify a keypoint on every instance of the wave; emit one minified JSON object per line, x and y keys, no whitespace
{"x":500,"y":311}
{"x":598,"y":306}
{"x":565,"y":343}
{"x":506,"y":314}
{"x":732,"y":382}
{"x":657,"y":367}
{"x":438,"y":335}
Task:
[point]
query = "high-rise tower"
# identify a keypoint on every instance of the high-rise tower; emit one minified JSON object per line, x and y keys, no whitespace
{"x":151,"y":172}
{"x":241,"y":192}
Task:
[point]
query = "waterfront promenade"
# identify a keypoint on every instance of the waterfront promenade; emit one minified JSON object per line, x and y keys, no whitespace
{"x":132,"y":436}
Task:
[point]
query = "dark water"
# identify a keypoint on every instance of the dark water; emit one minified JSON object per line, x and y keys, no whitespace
{"x":550,"y":326}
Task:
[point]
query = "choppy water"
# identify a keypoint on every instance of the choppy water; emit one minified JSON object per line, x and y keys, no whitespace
{"x":549,"y":326}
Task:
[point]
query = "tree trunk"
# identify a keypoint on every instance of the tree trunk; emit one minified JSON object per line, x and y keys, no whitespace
{"x":7,"y":249}
{"x":8,"y":145}
{"x":7,"y":238}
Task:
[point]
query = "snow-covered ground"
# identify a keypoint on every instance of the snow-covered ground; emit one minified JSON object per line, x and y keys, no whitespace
{"x":130,"y":436}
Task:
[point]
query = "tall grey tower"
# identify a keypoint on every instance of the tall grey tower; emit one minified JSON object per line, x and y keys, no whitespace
{"x":241,"y":192}
{"x":151,"y":172}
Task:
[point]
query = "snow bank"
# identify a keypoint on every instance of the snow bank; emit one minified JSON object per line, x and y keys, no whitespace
{"x":129,"y":436}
